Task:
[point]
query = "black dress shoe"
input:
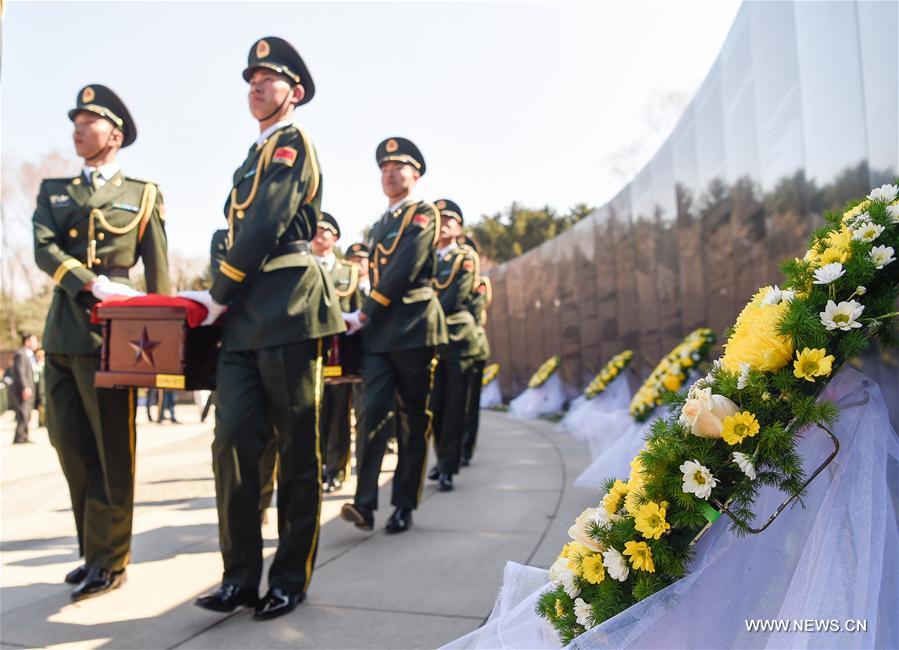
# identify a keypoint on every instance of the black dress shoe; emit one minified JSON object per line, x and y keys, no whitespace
{"x":433,"y":473}
{"x":98,"y":581}
{"x":277,"y":602}
{"x":400,"y":521}
{"x":227,"y":598}
{"x":446,"y":483}
{"x":76,"y":575}
{"x":465,"y":461}
{"x":362,"y":517}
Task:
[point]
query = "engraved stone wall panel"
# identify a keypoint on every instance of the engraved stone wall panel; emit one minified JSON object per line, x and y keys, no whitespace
{"x":797,"y":115}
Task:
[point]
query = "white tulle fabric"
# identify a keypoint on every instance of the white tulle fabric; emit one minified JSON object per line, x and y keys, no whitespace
{"x":491,"y":395}
{"x":534,"y":402}
{"x":621,"y":440}
{"x":834,"y":560}
{"x":588,"y":420}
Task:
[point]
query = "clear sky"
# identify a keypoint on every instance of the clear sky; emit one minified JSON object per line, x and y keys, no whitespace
{"x":508,"y":101}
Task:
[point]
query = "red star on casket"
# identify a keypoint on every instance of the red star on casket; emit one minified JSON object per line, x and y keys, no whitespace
{"x":143,"y":348}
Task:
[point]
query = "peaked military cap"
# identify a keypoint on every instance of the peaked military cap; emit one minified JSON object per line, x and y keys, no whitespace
{"x":450,"y":209}
{"x":277,"y":54}
{"x":329,"y":223}
{"x":358,"y":249}
{"x":400,"y":150}
{"x":99,"y":99}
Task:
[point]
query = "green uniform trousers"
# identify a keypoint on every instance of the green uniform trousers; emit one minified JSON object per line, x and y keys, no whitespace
{"x":335,"y":429}
{"x":451,"y":387}
{"x":93,"y":432}
{"x":473,"y":410}
{"x":277,"y":388}
{"x":395,"y":382}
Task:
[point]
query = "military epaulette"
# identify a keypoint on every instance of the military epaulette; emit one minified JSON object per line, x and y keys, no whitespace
{"x":131,"y":179}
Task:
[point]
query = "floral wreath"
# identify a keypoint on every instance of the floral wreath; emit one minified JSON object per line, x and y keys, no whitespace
{"x":545,"y":371}
{"x":608,"y":374}
{"x":737,"y":429}
{"x":671,"y":373}
{"x":490,"y":373}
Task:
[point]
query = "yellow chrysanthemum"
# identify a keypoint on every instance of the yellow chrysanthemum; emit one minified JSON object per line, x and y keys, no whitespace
{"x":738,"y":427}
{"x":576,"y":554}
{"x":633,"y":498}
{"x":650,"y":520}
{"x":560,"y":608}
{"x":593,"y":570}
{"x":612,"y":501}
{"x":671,"y":382}
{"x":756,"y":340}
{"x":813,"y":363}
{"x":640,"y":556}
{"x":564,"y":552}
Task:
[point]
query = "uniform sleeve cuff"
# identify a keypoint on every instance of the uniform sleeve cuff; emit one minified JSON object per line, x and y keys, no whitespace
{"x":372,"y":307}
{"x":72,"y":276}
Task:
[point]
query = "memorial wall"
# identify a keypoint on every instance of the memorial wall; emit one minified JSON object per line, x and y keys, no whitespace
{"x":797,"y":115}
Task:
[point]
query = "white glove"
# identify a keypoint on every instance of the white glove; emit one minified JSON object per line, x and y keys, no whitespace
{"x":353,"y":322}
{"x":104,"y":289}
{"x":213,"y":308}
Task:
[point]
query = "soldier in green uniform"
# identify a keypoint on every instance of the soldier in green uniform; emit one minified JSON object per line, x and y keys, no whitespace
{"x":404,"y":324}
{"x":280,"y":306}
{"x":337,"y":400}
{"x":457,"y":269}
{"x":358,"y":254}
{"x":88,"y":232}
{"x":268,"y":462}
{"x":480,"y":301}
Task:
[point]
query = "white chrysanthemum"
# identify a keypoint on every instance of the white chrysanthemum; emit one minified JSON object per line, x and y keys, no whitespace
{"x":744,"y":462}
{"x":773,"y":296}
{"x":893,"y":211}
{"x":615,"y":564}
{"x":698,"y":479}
{"x":867,"y":232}
{"x":560,"y":574}
{"x":882,"y":255}
{"x":743,"y":379}
{"x":584,"y":613}
{"x":829,"y":273}
{"x":843,"y":316}
{"x":860,"y":219}
{"x":884,"y":193}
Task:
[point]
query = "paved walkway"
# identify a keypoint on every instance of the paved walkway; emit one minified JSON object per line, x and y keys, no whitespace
{"x":370,"y":590}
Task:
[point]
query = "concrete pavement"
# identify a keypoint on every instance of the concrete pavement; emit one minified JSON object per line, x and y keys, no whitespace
{"x":370,"y":590}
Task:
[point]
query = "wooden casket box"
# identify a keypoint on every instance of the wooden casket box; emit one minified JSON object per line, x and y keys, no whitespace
{"x":153,"y":347}
{"x":343,"y":359}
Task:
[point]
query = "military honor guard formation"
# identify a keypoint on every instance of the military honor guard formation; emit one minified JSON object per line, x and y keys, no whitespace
{"x":403,"y":312}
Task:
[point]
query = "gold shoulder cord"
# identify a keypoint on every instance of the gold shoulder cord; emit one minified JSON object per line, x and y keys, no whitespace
{"x":354,"y":283}
{"x":313,"y":161}
{"x":381,"y":250}
{"x":457,"y":263}
{"x":489,"y":290}
{"x":147,"y":202}
{"x":236,"y":209}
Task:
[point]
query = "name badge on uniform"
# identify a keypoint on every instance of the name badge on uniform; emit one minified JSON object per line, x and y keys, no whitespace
{"x":59,"y":200}
{"x":250,"y":173}
{"x":126,"y":206}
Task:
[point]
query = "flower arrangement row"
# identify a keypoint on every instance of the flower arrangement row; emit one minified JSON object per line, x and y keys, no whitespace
{"x":736,"y":430}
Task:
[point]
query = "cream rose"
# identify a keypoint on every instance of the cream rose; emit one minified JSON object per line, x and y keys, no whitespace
{"x":579,"y":532}
{"x":703,"y":413}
